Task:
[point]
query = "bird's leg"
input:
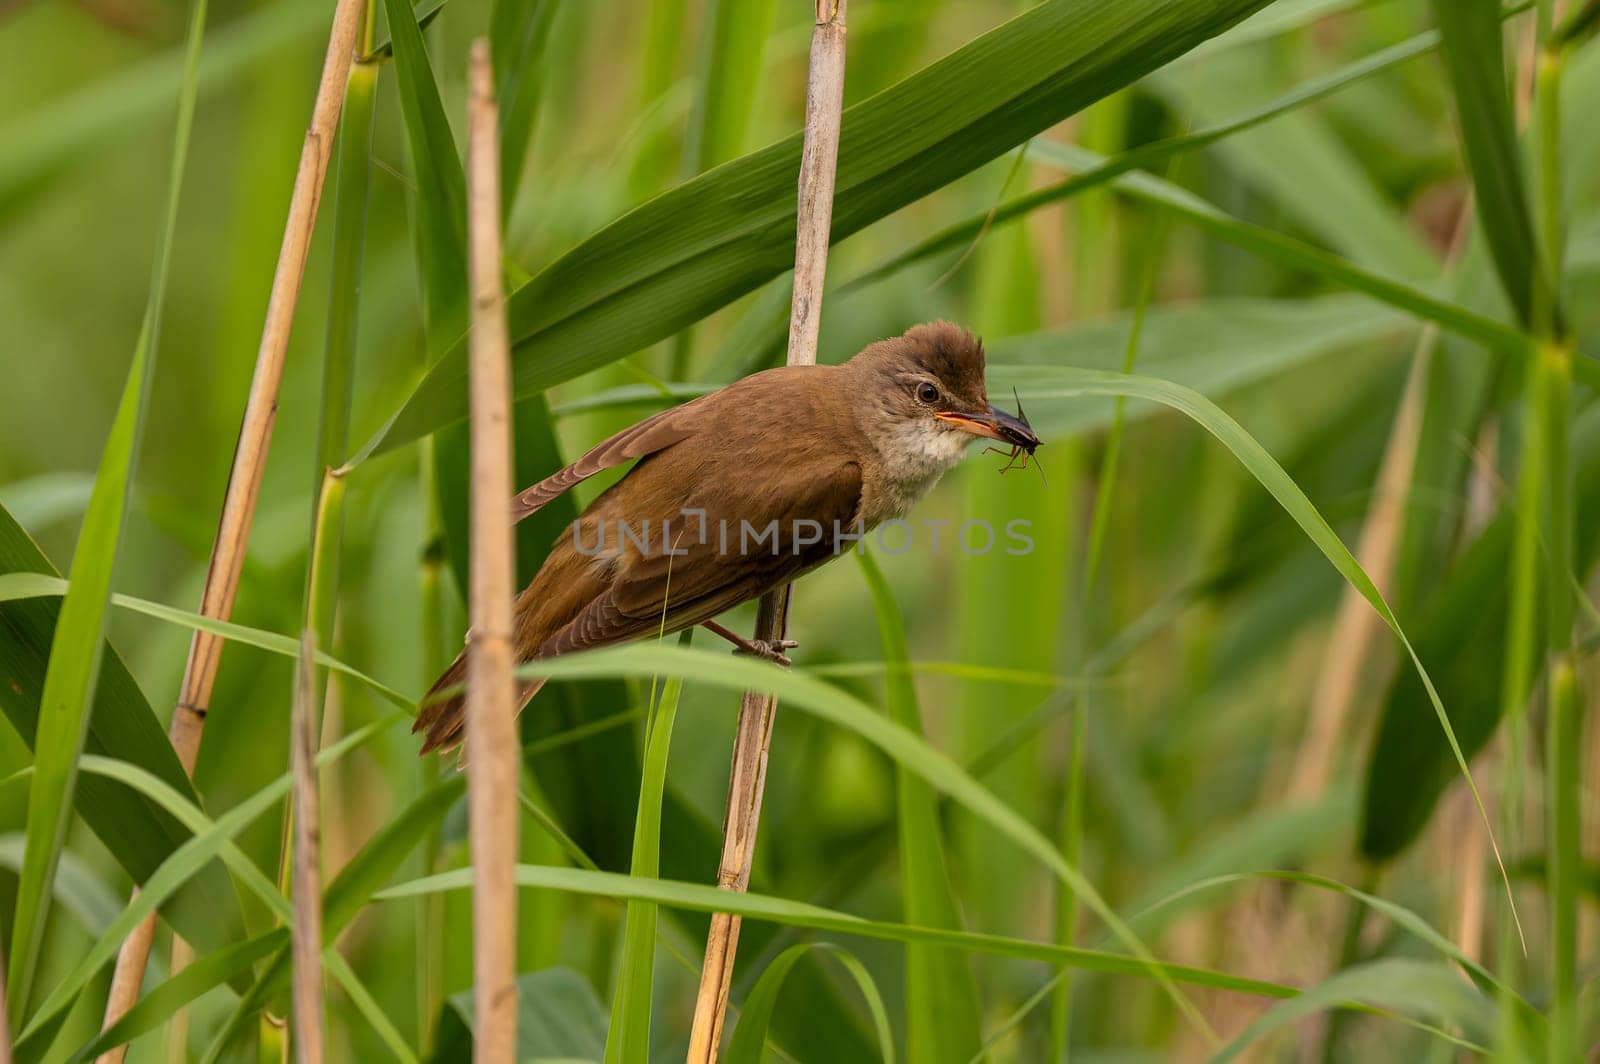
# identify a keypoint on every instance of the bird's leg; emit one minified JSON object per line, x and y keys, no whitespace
{"x":766,"y":649}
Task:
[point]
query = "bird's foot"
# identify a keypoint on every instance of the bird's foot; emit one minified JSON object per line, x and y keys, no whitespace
{"x":765,"y":649}
{"x":768,"y":650}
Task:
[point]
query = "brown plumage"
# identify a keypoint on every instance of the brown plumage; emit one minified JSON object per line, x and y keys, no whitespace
{"x":813,"y":448}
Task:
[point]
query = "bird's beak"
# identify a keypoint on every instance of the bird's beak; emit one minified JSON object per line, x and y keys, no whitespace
{"x":994,"y":424}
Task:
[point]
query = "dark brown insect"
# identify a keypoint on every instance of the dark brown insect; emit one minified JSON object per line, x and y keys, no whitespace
{"x":1023,"y":442}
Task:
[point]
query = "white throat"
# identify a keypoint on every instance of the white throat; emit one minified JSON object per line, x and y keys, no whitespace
{"x":916,"y":453}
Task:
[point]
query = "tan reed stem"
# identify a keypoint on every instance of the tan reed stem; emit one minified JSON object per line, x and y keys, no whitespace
{"x":491,"y":711}
{"x":753,"y":736}
{"x":249,"y":458}
{"x":306,"y":932}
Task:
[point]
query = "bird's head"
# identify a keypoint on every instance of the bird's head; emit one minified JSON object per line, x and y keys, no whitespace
{"x":927,"y":390}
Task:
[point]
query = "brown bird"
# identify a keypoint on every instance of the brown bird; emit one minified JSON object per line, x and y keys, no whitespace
{"x":740,"y":491}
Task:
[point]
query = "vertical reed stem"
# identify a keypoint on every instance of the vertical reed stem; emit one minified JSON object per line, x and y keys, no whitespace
{"x":306,"y":931}
{"x":491,"y":719}
{"x":753,"y":737}
{"x":250,"y":457}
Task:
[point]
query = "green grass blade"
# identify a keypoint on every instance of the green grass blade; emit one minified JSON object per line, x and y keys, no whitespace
{"x":384,"y":853}
{"x":657,"y":64}
{"x":670,"y":262}
{"x":943,"y":1008}
{"x":441,"y":249}
{"x":1064,"y":382}
{"x":368,"y":1006}
{"x":1148,"y":156}
{"x":22,"y":586}
{"x":1215,"y":346}
{"x":1300,"y":163}
{"x":77,"y":648}
{"x":1174,"y":904}
{"x":372,"y":866}
{"x":696,"y":897}
{"x":518,"y":30}
{"x":212,"y":838}
{"x":122,"y":725}
{"x":424,"y":13}
{"x":1403,"y":918}
{"x":1400,"y":985}
{"x":247,"y":872}
{"x":1475,"y":61}
{"x":1292,"y":253}
{"x":755,"y":1014}
{"x":728,"y":82}
{"x":440,"y":204}
{"x":904,"y":747}
{"x":628,"y":1040}
{"x":1284,"y":16}
{"x":201,"y":975}
{"x":1281,"y":249}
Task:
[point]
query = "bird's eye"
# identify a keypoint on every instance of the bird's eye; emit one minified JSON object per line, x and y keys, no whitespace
{"x":927,"y":393}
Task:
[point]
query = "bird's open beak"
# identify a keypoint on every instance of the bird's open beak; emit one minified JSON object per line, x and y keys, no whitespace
{"x":994,"y":424}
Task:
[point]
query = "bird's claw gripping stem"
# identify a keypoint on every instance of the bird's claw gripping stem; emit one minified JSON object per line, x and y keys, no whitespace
{"x":765,"y":649}
{"x":768,"y":650}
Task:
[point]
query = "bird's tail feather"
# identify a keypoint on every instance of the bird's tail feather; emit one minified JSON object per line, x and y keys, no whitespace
{"x":442,"y":716}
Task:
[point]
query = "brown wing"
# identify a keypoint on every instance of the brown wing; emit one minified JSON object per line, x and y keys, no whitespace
{"x":647,"y":437}
{"x":653,"y":589}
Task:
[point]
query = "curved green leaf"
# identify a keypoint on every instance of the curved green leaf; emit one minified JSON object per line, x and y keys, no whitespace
{"x":353,"y":887}
{"x":735,"y":37}
{"x":16,"y":587}
{"x":682,"y":255}
{"x":518,"y":30}
{"x":211,"y":839}
{"x":699,"y":898}
{"x":1411,"y":987}
{"x":1147,"y":156}
{"x":1476,"y":62}
{"x":903,"y":746}
{"x":1060,"y":382}
{"x":441,"y":198}
{"x":755,"y":1014}
{"x":198,"y":977}
{"x":139,"y":834}
{"x":1298,"y":255}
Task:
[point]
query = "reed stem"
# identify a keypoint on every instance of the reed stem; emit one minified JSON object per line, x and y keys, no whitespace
{"x":250,"y":456}
{"x":491,"y":741}
{"x":753,"y":735}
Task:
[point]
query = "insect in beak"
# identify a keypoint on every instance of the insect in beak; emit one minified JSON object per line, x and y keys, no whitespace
{"x":1017,"y":432}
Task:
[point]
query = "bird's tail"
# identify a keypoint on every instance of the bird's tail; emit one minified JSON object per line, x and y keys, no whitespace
{"x":442,"y":716}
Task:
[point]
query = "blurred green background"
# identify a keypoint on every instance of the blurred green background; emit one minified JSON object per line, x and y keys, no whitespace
{"x":1179,"y":655}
